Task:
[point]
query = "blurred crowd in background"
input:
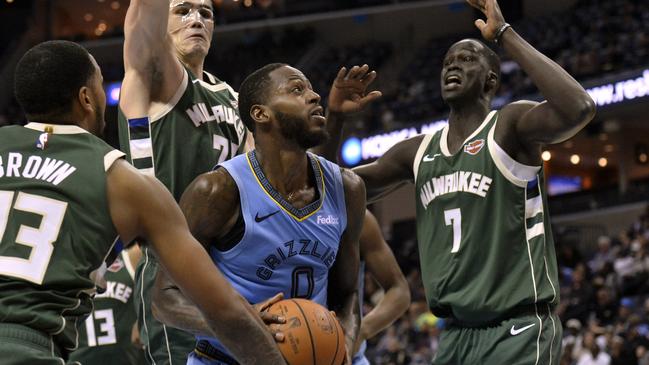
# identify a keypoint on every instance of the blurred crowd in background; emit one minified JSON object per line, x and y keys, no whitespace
{"x":604,"y":286}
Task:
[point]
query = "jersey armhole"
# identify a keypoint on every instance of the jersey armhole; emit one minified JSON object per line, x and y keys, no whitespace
{"x":514,"y":171}
{"x":420,"y":153}
{"x":159,"y":110}
{"x":128,"y":264}
{"x":243,"y":227}
{"x":111,"y":157}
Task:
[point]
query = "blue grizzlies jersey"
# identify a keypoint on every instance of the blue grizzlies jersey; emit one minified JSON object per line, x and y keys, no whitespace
{"x":283,"y":249}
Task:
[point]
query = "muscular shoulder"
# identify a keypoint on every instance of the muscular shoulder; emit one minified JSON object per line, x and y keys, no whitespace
{"x":211,"y":205}
{"x":352,"y":183}
{"x":215,"y":188}
{"x":511,"y":113}
{"x":354,"y":195}
{"x":507,"y":135}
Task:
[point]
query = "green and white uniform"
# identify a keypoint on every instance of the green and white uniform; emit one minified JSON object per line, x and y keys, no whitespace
{"x":198,"y":129}
{"x":105,"y":336}
{"x":487,"y":255}
{"x":55,"y":234}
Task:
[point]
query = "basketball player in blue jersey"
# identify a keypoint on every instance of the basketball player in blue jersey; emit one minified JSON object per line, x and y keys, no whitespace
{"x":379,"y":260}
{"x":277,"y":219}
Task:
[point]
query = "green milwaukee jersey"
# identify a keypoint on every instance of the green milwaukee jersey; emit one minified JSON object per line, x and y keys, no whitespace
{"x":105,"y":336}
{"x":198,"y":129}
{"x":483,"y":231}
{"x":55,"y":227}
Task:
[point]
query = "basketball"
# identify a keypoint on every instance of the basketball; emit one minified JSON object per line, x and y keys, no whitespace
{"x":313,"y":335}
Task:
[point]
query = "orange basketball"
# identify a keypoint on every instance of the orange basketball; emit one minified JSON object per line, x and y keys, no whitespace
{"x":313,"y":336}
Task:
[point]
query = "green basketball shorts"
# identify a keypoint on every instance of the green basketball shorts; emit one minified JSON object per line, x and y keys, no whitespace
{"x":532,"y":338}
{"x":20,"y":345}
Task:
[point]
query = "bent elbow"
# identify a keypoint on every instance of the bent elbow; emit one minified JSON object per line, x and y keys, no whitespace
{"x":586,"y":110}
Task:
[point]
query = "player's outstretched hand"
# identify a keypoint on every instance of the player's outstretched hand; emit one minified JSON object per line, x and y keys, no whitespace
{"x":348,"y":93}
{"x":495,"y":18}
{"x":271,"y":320}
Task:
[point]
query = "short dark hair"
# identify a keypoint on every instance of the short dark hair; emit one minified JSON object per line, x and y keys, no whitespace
{"x":254,"y":90}
{"x":48,"y":77}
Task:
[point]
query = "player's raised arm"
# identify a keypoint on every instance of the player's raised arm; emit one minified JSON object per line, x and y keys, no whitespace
{"x":348,"y":95}
{"x":390,"y":171}
{"x":380,"y":262}
{"x":133,"y":197}
{"x":343,"y":276}
{"x":152,"y":71}
{"x":568,"y":107}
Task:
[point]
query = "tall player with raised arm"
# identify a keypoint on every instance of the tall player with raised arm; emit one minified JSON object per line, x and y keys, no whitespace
{"x":487,"y":255}
{"x":192,"y":125}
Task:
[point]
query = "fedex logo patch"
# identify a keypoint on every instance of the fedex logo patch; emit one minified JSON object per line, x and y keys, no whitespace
{"x":328,"y":220}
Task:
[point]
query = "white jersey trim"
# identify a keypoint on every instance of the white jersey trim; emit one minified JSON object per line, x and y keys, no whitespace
{"x":420,"y":153}
{"x":111,"y":157}
{"x":214,"y":88}
{"x":514,"y":171}
{"x":443,"y":143}
{"x":146,"y":328}
{"x":159,"y":110}
{"x":129,"y":265}
{"x":56,"y":128}
{"x":141,"y":148}
{"x":533,"y":206}
{"x":214,"y":81}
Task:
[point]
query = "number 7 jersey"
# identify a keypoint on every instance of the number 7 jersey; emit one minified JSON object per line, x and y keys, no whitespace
{"x":483,"y":229}
{"x":55,"y":227}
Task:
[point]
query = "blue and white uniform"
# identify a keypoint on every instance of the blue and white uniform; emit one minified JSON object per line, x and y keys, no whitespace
{"x":283,"y":249}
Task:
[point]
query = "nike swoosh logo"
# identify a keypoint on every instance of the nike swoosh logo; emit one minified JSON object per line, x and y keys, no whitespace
{"x":427,"y":158}
{"x":259,"y":219}
{"x":515,"y":331}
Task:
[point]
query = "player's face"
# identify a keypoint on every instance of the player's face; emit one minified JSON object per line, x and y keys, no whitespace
{"x":464,"y":71}
{"x":190,"y":26}
{"x":98,"y":99}
{"x":296,"y":108}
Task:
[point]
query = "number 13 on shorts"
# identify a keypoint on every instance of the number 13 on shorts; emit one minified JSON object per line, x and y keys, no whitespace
{"x":453,"y":218}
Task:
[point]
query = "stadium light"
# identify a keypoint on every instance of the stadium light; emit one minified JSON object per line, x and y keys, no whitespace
{"x":602,"y":162}
{"x":574,"y":159}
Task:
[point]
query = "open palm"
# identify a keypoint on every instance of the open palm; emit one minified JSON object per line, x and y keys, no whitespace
{"x":349,"y":91}
{"x":495,"y":18}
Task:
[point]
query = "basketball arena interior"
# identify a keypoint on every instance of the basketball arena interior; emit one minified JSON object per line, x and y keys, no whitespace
{"x":597,"y":182}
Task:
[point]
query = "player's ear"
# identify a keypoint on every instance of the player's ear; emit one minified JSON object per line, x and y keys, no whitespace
{"x":84,"y":97}
{"x":492,"y":82}
{"x":260,"y":113}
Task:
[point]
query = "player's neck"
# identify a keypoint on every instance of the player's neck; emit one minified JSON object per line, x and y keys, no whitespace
{"x":285,"y":167}
{"x":195,"y":65}
{"x":465,"y":118}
